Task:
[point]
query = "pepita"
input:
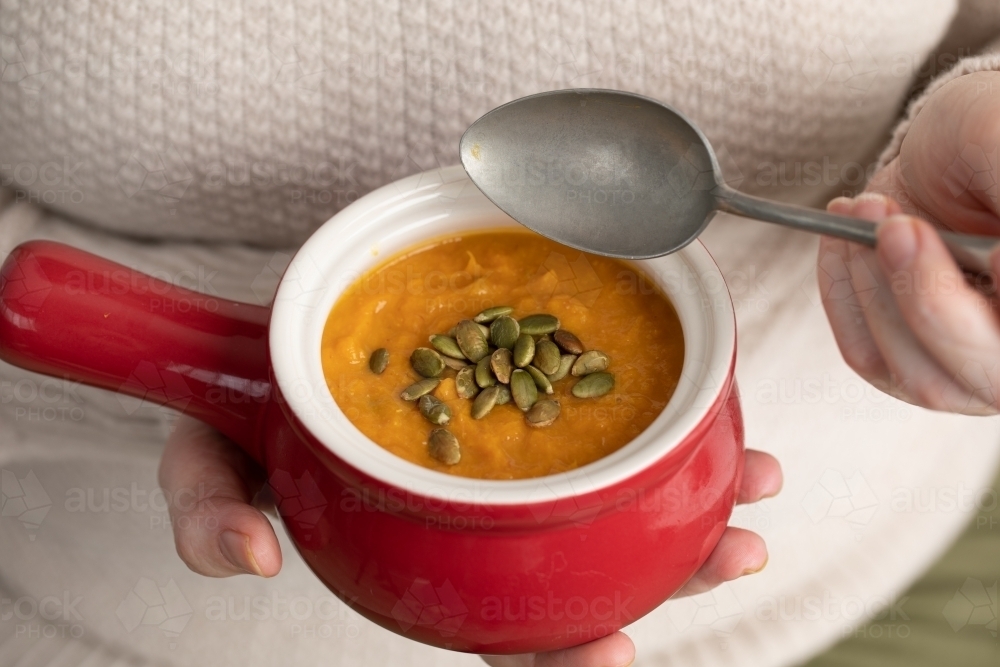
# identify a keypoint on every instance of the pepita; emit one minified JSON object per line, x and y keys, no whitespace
{"x":454,"y":364}
{"x":541,"y":380}
{"x":443,"y":446}
{"x":565,"y":363}
{"x":568,"y":342}
{"x":502,"y":363}
{"x":546,"y":357}
{"x":465,"y":382}
{"x":434,"y":410}
{"x":485,"y":401}
{"x":503,"y":398}
{"x":542,"y":413}
{"x":594,"y":385}
{"x":418,"y":389}
{"x":484,"y":375}
{"x":490,"y":314}
{"x":524,"y":350}
{"x":379,"y":360}
{"x":540,"y":323}
{"x":504,"y":332}
{"x":426,"y":362}
{"x":471,"y":340}
{"x":591,"y":361}
{"x":523,"y":389}
{"x":447,"y":346}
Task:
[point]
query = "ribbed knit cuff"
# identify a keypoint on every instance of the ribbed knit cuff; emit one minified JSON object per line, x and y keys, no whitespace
{"x":987,"y":61}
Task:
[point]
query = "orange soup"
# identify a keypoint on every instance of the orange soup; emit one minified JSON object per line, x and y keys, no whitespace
{"x":606,"y":303}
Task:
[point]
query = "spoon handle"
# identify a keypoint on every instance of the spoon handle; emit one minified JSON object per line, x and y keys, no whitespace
{"x":972,"y":253}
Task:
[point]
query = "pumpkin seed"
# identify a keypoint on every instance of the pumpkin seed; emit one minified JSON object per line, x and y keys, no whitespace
{"x":418,"y":389}
{"x":447,"y":346}
{"x":443,"y":446}
{"x":565,"y":363}
{"x":465,"y":382}
{"x":568,"y":342}
{"x":594,"y":385}
{"x":502,"y":363}
{"x":454,"y":364}
{"x":524,"y":350}
{"x":486,"y":331}
{"x":426,"y":362}
{"x":485,"y":401}
{"x":379,"y":360}
{"x":523,"y":389}
{"x":435,"y":410}
{"x":541,"y":380}
{"x":490,"y":314}
{"x":546,"y":357}
{"x":540,"y":323}
{"x":504,"y":397}
{"x":484,"y":376}
{"x":542,"y":413}
{"x":504,"y":332}
{"x":591,"y":361}
{"x":471,"y":340}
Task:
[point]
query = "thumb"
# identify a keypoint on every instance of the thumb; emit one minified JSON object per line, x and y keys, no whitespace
{"x":210,"y":483}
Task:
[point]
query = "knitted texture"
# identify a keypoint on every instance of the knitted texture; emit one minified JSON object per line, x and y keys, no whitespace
{"x":255,"y":122}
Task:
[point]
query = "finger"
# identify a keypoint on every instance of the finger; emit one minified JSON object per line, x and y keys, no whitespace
{"x":210,"y":483}
{"x":955,"y":170}
{"x":954,"y":322}
{"x":883,"y":350}
{"x":762,"y":477}
{"x":873,"y":206}
{"x":913,"y":374}
{"x":976,"y":148}
{"x":844,"y":296}
{"x":615,"y":650}
{"x":739,"y":553}
{"x":843,"y":306}
{"x":891,"y":182}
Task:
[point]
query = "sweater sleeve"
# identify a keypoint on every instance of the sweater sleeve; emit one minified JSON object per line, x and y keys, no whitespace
{"x":976,"y":28}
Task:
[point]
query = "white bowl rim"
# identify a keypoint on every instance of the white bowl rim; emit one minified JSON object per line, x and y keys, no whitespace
{"x":395,"y":217}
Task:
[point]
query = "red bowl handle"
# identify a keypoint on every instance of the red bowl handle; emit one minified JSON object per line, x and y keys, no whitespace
{"x":71,"y":314}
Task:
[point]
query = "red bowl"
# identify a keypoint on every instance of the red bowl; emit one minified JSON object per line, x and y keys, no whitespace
{"x":471,"y":565}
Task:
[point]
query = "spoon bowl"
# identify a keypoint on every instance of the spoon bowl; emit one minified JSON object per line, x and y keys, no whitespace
{"x":595,"y":170}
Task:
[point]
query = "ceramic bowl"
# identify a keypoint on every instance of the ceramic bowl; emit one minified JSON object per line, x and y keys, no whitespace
{"x":465,"y":564}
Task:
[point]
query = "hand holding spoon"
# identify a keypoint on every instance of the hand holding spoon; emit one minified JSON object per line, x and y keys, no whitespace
{"x":619,"y":174}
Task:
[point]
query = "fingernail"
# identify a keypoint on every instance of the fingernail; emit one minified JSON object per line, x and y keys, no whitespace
{"x":897,"y":241}
{"x":841,"y":203}
{"x":870,"y":206}
{"x":871,"y":197}
{"x":751,"y":570}
{"x":236,"y":549}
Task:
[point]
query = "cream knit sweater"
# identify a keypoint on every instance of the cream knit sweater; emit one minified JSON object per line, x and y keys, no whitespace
{"x":238,"y":121}
{"x":256,"y":121}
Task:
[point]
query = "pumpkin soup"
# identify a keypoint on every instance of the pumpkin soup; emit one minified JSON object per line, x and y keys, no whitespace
{"x":502,"y":355}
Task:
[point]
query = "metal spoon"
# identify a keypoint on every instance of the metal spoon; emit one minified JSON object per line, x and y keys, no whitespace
{"x":622,"y":175}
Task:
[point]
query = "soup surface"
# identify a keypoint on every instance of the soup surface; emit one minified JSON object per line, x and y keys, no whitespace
{"x":607,"y":303}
